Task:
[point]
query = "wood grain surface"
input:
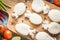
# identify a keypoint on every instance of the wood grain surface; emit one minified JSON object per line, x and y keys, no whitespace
{"x":11,"y":22}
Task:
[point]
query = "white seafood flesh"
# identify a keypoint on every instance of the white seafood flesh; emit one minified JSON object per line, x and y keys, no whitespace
{"x":37,"y":5}
{"x":53,"y":27}
{"x":19,"y":9}
{"x":32,"y":33}
{"x":54,"y":15}
{"x":46,"y":9}
{"x":34,"y":18}
{"x":43,"y":36}
{"x":24,"y":29}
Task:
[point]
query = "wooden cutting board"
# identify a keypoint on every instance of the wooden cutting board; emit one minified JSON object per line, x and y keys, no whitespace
{"x":11,"y":22}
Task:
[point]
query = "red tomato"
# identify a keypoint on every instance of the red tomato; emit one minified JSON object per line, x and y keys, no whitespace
{"x":1,"y":19}
{"x":57,"y":2}
{"x":2,"y":28}
{"x":7,"y":34}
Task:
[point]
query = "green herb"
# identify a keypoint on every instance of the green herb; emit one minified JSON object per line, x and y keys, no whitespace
{"x":3,"y":5}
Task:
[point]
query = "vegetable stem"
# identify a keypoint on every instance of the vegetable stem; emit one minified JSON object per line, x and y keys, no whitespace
{"x":4,"y":4}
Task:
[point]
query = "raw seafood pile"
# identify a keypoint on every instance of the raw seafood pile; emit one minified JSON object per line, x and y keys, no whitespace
{"x":37,"y":6}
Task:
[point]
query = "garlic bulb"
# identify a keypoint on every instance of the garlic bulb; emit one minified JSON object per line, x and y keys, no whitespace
{"x":54,"y":15}
{"x":19,"y":9}
{"x":34,"y":18}
{"x":37,"y":5}
{"x":43,"y":36}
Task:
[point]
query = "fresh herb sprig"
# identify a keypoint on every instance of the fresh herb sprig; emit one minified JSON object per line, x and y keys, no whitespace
{"x":3,"y":5}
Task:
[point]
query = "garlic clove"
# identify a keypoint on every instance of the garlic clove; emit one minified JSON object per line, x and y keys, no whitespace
{"x":54,"y":15}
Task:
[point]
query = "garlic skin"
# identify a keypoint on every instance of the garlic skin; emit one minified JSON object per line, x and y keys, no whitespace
{"x":37,"y":5}
{"x":54,"y":15}
{"x":19,"y":9}
{"x":24,"y":29}
{"x":43,"y":36}
{"x":53,"y":27}
{"x":34,"y":18}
